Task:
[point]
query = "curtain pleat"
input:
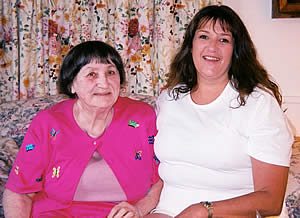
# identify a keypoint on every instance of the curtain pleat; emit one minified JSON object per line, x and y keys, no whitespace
{"x":9,"y":75}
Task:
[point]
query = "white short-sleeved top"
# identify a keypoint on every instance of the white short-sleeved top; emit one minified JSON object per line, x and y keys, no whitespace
{"x":205,"y":150}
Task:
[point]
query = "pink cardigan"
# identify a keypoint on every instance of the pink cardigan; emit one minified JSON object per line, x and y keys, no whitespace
{"x":55,"y":152}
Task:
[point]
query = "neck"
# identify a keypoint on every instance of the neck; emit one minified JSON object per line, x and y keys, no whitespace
{"x":206,"y":93}
{"x":93,"y":121}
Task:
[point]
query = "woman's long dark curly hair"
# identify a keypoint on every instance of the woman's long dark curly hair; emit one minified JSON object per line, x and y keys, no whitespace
{"x":245,"y":72}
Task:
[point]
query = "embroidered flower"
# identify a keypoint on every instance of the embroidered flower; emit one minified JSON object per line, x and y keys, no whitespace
{"x":39,"y":179}
{"x":138,"y":155}
{"x":17,"y":170}
{"x":133,"y":124}
{"x":56,"y":172}
{"x":151,"y":140}
{"x":53,"y":133}
{"x":30,"y":147}
{"x":156,"y":159}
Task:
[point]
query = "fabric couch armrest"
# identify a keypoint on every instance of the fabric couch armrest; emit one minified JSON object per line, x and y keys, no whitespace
{"x":8,"y":152}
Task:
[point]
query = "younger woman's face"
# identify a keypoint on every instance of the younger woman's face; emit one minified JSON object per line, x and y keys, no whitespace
{"x":212,"y":52}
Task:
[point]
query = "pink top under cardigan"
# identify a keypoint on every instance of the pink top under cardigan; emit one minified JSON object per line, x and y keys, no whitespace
{"x":55,"y":151}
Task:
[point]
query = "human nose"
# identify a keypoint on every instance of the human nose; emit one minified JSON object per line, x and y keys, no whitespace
{"x":212,"y":45}
{"x":102,"y":80}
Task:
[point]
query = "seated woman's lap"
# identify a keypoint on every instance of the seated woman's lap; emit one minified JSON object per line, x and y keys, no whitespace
{"x":81,"y":209}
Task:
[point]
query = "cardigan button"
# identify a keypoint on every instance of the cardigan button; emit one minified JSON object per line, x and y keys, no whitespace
{"x":95,"y":143}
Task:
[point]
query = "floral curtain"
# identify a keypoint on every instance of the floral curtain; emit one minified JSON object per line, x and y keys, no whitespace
{"x":36,"y":34}
{"x":9,"y":84}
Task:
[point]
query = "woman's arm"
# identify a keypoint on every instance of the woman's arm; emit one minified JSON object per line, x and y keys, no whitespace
{"x":17,"y":205}
{"x":269,"y":189}
{"x":142,"y":207}
{"x":149,"y":202}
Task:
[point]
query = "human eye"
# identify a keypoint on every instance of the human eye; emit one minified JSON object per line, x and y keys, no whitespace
{"x":202,"y":36}
{"x":224,"y":40}
{"x":111,"y":72}
{"x":91,"y":74}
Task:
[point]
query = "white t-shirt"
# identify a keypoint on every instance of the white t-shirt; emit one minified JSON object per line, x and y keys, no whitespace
{"x":204,"y":150}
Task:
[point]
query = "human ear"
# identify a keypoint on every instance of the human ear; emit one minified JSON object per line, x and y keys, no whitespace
{"x":72,"y":89}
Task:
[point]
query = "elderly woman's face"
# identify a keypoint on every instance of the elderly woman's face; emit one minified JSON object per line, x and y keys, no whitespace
{"x":212,"y":52}
{"x":97,"y":85}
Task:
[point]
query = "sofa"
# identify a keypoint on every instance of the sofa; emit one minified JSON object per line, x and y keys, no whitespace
{"x":16,"y":116}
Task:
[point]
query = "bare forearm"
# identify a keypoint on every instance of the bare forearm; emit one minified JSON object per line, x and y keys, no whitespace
{"x":247,"y":205}
{"x":16,"y":205}
{"x":239,"y":207}
{"x":269,"y":185}
{"x":150,"y":201}
{"x":269,"y":188}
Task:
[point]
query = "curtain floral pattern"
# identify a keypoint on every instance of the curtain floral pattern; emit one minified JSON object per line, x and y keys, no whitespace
{"x":35,"y":35}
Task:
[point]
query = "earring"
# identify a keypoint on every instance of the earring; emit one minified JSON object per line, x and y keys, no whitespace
{"x":236,"y":54}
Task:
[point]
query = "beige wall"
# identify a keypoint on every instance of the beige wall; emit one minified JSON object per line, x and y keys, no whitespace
{"x":278,"y":45}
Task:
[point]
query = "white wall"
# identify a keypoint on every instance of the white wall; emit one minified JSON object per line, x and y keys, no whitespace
{"x":278,"y":46}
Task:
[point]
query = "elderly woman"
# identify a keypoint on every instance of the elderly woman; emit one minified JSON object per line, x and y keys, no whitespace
{"x":89,"y":154}
{"x":223,"y":141}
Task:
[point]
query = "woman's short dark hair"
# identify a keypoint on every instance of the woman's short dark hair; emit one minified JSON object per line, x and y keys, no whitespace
{"x":83,"y":54}
{"x":245,"y":72}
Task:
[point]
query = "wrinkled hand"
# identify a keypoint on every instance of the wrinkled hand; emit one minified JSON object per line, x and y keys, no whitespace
{"x":194,"y":210}
{"x":124,"y":210}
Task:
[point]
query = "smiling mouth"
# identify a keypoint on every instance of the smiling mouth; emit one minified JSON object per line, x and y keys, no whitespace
{"x":101,"y":94}
{"x":211,"y":58}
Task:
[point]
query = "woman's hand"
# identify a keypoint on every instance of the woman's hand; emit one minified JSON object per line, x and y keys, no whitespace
{"x":124,"y":210}
{"x":141,"y":208}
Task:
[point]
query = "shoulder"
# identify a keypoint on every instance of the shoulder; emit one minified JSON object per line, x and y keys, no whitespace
{"x":125,"y":103}
{"x":129,"y":110}
{"x":260,"y":105}
{"x":262,"y":99}
{"x":168,"y":94}
{"x":166,"y":102}
{"x":268,"y":123}
{"x":62,"y":107}
{"x":263,"y":110}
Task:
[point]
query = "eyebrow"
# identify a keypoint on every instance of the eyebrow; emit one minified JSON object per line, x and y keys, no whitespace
{"x":205,"y":31}
{"x":109,"y":66}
